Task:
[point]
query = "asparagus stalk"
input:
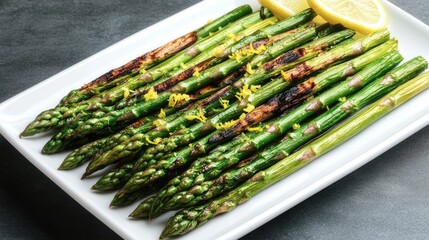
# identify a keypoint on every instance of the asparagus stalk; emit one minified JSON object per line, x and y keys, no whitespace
{"x":131,"y":145}
{"x":198,"y":63}
{"x":186,"y":86}
{"x":117,"y":177}
{"x":264,"y":72}
{"x":146,"y":60}
{"x":130,"y":69}
{"x":142,"y":164}
{"x":174,"y":164}
{"x":248,"y":34}
{"x":204,"y":61}
{"x":92,"y":149}
{"x":137,"y":96}
{"x":228,"y":180}
{"x":206,"y":44}
{"x":189,"y":219}
{"x":233,"y":111}
{"x":330,"y":76}
{"x":139,"y":136}
{"x":88,"y":151}
{"x":280,"y":84}
{"x":267,"y":76}
{"x":153,"y":172}
{"x":51,"y":118}
{"x":159,"y":179}
{"x":259,"y":34}
{"x":101,"y":162}
{"x":100,"y":120}
{"x":259,"y":141}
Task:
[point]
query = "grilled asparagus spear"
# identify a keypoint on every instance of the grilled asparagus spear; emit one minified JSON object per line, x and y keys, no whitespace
{"x":189,"y":219}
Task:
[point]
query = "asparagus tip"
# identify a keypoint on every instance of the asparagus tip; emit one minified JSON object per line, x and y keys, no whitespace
{"x":136,"y":216}
{"x":85,"y":175}
{"x":65,"y":165}
{"x":61,"y":168}
{"x":28,"y":131}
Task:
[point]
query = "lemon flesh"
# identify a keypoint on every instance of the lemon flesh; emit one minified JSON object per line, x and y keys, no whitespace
{"x":364,"y":16}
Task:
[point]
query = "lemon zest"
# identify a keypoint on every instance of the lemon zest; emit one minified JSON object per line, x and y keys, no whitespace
{"x":159,"y":123}
{"x":296,"y":126}
{"x":244,"y":92}
{"x":244,"y":137}
{"x":261,"y":48}
{"x":217,"y":51}
{"x":249,"y":69}
{"x":176,"y":98}
{"x":155,"y":141}
{"x":126,"y":92}
{"x":225,"y":125}
{"x":254,"y":129}
{"x":258,"y":50}
{"x":199,"y":116}
{"x":239,"y":54}
{"x":252,"y":49}
{"x":224,"y":103}
{"x":249,"y":108}
{"x":162,"y":114}
{"x":151,"y":94}
{"x":183,"y":66}
{"x":271,"y":22}
{"x":233,"y":37}
{"x":255,"y":88}
{"x":196,"y":72}
{"x":242,"y":116}
{"x":342,"y":99}
{"x":284,"y":75}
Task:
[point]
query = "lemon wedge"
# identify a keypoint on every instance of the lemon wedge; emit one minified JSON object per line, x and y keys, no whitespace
{"x":287,"y":8}
{"x":364,"y":16}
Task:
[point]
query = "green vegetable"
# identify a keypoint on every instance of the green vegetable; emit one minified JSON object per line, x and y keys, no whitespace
{"x":189,"y":219}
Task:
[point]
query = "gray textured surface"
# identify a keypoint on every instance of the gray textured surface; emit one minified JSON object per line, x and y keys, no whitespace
{"x":386,"y":199}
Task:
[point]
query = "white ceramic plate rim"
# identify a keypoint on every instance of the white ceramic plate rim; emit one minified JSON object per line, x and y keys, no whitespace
{"x":15,"y":113}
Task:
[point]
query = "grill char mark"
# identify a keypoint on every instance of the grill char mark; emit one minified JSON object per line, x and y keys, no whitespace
{"x":280,"y":103}
{"x":286,"y":58}
{"x":171,"y":82}
{"x":147,"y":58}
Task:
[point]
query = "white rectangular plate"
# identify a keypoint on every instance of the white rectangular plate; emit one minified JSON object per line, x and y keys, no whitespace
{"x":18,"y":111}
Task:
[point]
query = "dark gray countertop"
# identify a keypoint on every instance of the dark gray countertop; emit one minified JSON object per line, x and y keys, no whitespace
{"x":385,"y":199}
